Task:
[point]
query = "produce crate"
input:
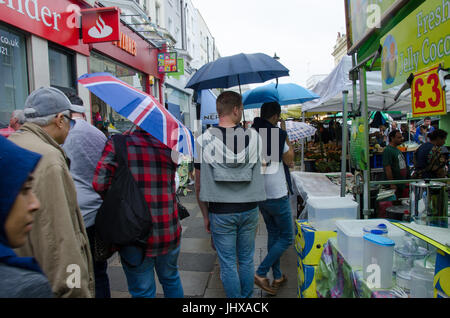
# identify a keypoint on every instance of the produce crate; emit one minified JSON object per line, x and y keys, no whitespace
{"x":376,"y":161}
{"x":309,"y":242}
{"x":306,"y":279}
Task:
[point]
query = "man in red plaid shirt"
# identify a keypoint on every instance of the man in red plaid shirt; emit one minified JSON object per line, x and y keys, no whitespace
{"x":154,"y":171}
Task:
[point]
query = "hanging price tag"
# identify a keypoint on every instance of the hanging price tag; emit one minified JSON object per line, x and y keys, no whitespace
{"x":428,"y":98}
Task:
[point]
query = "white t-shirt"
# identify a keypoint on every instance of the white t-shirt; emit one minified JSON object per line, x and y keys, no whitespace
{"x":275,"y":179}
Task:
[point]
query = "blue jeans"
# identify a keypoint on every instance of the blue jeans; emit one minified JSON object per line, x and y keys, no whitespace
{"x":278,"y":218}
{"x":141,"y":278}
{"x":234,"y":238}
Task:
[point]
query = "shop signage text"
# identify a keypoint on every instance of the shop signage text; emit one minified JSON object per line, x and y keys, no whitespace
{"x":33,"y":11}
{"x":100,"y":25}
{"x":428,"y":97}
{"x":7,"y":44}
{"x":49,"y":19}
{"x":126,"y":43}
{"x":419,"y":41}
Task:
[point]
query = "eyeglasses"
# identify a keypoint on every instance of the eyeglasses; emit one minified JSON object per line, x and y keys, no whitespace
{"x":71,"y":121}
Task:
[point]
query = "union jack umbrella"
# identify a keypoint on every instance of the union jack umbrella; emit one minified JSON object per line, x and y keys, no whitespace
{"x":141,"y":109}
{"x":299,"y":130}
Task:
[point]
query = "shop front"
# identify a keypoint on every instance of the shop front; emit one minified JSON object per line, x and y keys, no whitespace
{"x":132,"y":60}
{"x":38,"y":47}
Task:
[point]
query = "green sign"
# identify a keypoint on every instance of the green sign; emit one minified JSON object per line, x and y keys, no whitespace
{"x":358,"y":144}
{"x":421,"y":40}
{"x":180,"y":67}
{"x":364,"y":15}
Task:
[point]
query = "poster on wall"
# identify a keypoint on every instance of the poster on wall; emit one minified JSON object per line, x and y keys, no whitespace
{"x":421,"y":40}
{"x":362,"y":16}
{"x":167,"y":62}
{"x":358,"y":144}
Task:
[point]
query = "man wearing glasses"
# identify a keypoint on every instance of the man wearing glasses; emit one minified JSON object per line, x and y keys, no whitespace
{"x":58,"y":239}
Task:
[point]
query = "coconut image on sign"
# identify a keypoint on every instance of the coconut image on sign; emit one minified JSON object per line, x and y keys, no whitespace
{"x":100,"y":30}
{"x":389,"y":58}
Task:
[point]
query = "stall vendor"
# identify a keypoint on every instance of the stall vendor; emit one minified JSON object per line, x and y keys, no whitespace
{"x":430,"y":160}
{"x":394,"y":163}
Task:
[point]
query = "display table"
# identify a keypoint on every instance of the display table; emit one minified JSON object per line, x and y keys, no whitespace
{"x":307,"y":184}
{"x":312,"y":184}
{"x":335,"y":278}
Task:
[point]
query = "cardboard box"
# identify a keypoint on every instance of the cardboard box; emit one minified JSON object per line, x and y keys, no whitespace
{"x":442,"y":275}
{"x":306,"y":279}
{"x":309,"y":242}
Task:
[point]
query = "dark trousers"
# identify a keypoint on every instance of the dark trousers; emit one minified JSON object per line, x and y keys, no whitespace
{"x":101,"y":276}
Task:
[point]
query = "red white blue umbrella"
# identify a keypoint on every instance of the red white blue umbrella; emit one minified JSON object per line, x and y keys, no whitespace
{"x":141,"y":109}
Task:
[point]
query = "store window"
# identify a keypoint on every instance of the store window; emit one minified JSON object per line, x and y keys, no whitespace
{"x":102,"y":113}
{"x":13,"y":73}
{"x":62,"y":69}
{"x":177,"y":97}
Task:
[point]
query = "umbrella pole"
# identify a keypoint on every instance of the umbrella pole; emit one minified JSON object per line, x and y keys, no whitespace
{"x":303,"y":147}
{"x":240,"y":92}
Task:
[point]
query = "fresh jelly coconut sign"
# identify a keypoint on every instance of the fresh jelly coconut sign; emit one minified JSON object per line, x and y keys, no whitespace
{"x":419,"y":41}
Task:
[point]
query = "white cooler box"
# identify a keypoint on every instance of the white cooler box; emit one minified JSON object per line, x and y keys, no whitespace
{"x":350,"y":237}
{"x":324,"y":211}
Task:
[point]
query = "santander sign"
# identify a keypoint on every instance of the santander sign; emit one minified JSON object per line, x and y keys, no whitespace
{"x":100,"y":25}
{"x":100,"y":30}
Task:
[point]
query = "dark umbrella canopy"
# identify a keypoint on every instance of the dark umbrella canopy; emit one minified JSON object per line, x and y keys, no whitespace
{"x":237,"y":70}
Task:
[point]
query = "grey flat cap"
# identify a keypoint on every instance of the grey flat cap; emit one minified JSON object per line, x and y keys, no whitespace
{"x":47,"y":101}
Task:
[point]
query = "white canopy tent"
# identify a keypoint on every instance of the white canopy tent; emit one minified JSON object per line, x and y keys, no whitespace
{"x":330,"y":92}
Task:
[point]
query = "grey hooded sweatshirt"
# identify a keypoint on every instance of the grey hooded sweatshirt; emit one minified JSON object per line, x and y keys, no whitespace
{"x":230,"y":177}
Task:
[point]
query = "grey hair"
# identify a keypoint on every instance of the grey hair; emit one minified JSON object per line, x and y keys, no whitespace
{"x":19,"y":114}
{"x":43,"y":121}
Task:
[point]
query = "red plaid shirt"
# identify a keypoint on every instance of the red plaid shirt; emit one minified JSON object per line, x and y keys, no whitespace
{"x":154,"y":171}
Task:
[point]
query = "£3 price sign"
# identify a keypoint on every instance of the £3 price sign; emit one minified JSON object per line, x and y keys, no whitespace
{"x":428,"y":97}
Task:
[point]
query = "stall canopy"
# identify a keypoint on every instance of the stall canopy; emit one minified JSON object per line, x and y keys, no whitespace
{"x":330,"y":92}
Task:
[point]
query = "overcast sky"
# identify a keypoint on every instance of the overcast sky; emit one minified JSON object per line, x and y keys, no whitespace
{"x":301,"y":32}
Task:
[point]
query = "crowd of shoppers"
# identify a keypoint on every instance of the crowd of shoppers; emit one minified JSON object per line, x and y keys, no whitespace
{"x":57,"y":170}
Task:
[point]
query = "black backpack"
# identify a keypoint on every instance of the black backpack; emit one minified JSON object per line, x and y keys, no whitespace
{"x":124,"y":219}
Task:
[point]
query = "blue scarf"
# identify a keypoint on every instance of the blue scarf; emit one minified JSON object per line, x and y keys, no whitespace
{"x":16,"y":164}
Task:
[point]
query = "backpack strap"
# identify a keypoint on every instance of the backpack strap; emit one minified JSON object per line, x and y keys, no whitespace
{"x":121,"y":150}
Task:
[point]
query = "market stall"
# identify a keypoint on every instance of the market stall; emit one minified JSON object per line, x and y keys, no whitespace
{"x":388,"y":258}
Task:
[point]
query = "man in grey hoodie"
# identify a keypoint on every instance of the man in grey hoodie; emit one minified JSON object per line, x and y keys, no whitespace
{"x":229,"y":185}
{"x":84,"y":146}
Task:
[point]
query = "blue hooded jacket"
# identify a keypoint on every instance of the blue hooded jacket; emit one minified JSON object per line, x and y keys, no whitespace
{"x":16,"y":164}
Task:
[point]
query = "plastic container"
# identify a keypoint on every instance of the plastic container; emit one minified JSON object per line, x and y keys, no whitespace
{"x":404,"y":280}
{"x":378,"y":261}
{"x":422,"y":276}
{"x":323,"y":213}
{"x":406,"y":253}
{"x":350,"y":237}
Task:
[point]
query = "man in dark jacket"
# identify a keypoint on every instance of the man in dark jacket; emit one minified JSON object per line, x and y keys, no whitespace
{"x":276,"y":210}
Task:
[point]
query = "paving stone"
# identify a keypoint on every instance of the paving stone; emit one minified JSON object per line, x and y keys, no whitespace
{"x":196,"y":245}
{"x":194,"y":283}
{"x":196,"y":262}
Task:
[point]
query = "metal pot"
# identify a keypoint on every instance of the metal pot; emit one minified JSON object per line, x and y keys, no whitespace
{"x":429,"y":203}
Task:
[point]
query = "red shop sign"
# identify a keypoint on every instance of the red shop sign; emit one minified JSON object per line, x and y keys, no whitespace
{"x":100,"y":25}
{"x":52,"y":20}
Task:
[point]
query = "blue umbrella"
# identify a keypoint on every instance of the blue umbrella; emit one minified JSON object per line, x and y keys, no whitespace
{"x":284,"y":94}
{"x":237,"y":70}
